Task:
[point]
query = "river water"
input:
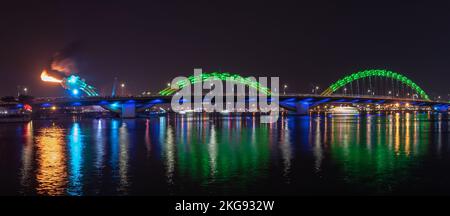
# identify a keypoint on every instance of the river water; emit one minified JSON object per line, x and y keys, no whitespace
{"x":373,"y":154}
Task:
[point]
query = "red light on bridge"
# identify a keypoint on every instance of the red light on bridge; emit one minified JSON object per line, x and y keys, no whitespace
{"x":27,"y":107}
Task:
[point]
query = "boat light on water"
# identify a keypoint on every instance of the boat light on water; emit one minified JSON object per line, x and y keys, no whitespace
{"x":344,"y":111}
{"x":225,"y":112}
{"x":183,"y":112}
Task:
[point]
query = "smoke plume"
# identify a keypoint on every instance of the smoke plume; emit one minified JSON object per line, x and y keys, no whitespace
{"x":63,"y":61}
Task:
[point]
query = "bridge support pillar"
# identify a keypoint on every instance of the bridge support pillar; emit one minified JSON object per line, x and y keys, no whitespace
{"x":128,"y":110}
{"x":302,"y":108}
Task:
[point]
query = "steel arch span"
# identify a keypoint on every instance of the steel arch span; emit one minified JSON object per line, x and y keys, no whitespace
{"x":215,"y":76}
{"x":375,"y":73}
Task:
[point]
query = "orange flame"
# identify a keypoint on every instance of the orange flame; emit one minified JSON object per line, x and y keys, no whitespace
{"x":47,"y":78}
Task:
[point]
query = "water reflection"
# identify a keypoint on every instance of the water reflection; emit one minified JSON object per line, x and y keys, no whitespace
{"x":169,"y":154}
{"x":114,"y":151}
{"x":378,"y":168}
{"x":124,"y":141}
{"x":51,"y":174}
{"x":75,"y":147}
{"x":120,"y":143}
{"x":285,"y":147}
{"x":100,"y":152}
{"x":232,"y":155}
{"x":100,"y":144}
{"x":212,"y":151}
{"x":207,"y":151}
{"x":148,"y":142}
{"x":317,"y":149}
{"x":26,"y":175}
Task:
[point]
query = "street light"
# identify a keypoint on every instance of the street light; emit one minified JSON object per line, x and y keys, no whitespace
{"x":22,"y":90}
{"x":122,"y":88}
{"x":316,"y":89}
{"x":345,"y":91}
{"x":284,"y":89}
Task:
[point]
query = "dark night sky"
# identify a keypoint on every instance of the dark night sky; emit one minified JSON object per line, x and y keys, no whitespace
{"x":147,"y":43}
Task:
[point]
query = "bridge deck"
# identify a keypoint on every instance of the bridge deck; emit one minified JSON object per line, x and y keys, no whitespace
{"x":157,"y":99}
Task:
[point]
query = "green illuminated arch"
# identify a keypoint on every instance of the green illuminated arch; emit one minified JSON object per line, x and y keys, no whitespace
{"x":216,"y":76}
{"x":375,"y":73}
